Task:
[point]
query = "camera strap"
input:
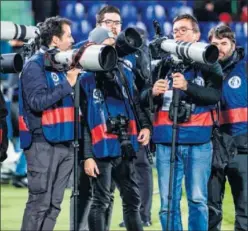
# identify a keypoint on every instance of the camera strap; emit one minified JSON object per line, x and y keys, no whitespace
{"x":79,"y":54}
{"x":216,"y":121}
{"x":104,"y":97}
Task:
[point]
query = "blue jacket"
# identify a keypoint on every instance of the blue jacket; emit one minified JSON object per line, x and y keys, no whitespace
{"x":101,"y":106}
{"x":234,"y":102}
{"x":199,"y":127}
{"x":42,"y":96}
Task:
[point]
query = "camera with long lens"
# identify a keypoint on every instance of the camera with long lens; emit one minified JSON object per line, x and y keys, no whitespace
{"x":89,"y":57}
{"x":128,"y":42}
{"x":11,"y":63}
{"x":198,"y":52}
{"x":119,"y":126}
{"x":10,"y":30}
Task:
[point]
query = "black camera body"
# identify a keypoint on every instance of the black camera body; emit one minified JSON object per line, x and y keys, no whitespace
{"x":184,"y":111}
{"x":119,"y":126}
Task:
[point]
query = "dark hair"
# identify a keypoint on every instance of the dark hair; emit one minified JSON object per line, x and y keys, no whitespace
{"x":193,"y":20}
{"x":104,"y":10}
{"x":220,"y":32}
{"x":52,"y":27}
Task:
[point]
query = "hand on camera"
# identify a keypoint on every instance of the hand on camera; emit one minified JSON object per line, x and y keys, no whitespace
{"x":144,"y":136}
{"x":179,"y":82}
{"x":72,"y":76}
{"x":90,"y":167}
{"x":160,"y":87}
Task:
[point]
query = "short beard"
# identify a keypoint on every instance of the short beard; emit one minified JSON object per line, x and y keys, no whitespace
{"x":229,"y":54}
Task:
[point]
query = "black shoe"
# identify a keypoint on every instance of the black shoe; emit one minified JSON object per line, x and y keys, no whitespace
{"x":20,"y":181}
{"x":146,"y":223}
{"x":122,"y":224}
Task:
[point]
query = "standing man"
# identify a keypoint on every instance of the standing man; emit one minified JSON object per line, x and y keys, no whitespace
{"x":193,"y":146}
{"x":142,"y":166}
{"x":110,"y":159}
{"x":47,"y":127}
{"x":233,"y":120}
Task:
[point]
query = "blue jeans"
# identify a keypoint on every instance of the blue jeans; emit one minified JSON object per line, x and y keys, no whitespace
{"x":193,"y":161}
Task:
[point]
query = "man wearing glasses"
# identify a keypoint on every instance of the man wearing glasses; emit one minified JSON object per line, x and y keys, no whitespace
{"x":193,"y":145}
{"x":104,"y":159}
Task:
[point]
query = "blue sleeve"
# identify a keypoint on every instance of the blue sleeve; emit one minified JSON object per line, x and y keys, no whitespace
{"x":235,"y":90}
{"x":35,"y":90}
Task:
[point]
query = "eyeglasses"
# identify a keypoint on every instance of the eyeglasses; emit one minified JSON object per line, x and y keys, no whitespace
{"x":181,"y":30}
{"x":110,"y":22}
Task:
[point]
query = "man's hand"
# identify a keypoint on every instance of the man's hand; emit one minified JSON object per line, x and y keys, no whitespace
{"x":72,"y":76}
{"x":144,"y":136}
{"x":160,"y":87}
{"x":90,"y":167}
{"x":179,"y":82}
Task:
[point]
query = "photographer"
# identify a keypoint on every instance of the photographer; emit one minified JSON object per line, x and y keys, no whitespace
{"x":142,"y":166}
{"x":193,"y":153}
{"x":46,"y":105}
{"x":111,"y":145}
{"x":233,"y":120}
{"x":3,"y":129}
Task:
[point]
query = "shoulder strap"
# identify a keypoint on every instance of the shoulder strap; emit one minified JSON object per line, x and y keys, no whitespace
{"x":216,"y":121}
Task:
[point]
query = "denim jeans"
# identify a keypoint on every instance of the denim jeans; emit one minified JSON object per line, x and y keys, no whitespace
{"x":193,"y":162}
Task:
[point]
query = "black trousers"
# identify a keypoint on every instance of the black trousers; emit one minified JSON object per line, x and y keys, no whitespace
{"x":123,"y":174}
{"x":144,"y":180}
{"x":85,"y":200}
{"x":145,"y":183}
{"x":236,"y":173}
{"x":49,"y":169}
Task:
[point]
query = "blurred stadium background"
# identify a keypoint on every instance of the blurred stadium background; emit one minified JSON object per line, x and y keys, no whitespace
{"x":82,"y":13}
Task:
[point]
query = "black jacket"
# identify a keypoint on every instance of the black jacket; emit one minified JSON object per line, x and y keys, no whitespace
{"x":4,"y":129}
{"x":110,"y":89}
{"x":209,"y":94}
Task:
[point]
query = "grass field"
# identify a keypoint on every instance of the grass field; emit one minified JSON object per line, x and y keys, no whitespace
{"x":13,"y":203}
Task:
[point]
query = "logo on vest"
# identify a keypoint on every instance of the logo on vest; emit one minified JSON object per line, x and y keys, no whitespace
{"x":97,"y":96}
{"x":128,"y":65}
{"x":199,"y":81}
{"x":234,"y":82}
{"x":124,"y":93}
{"x":55,"y":78}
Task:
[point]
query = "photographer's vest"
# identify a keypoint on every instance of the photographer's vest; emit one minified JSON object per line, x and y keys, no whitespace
{"x":196,"y":131}
{"x":233,"y":116}
{"x":57,"y":121}
{"x":105,"y":144}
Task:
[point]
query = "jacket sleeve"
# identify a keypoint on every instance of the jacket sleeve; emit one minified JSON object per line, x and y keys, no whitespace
{"x":209,"y":94}
{"x":87,"y":141}
{"x":3,"y":129}
{"x":35,"y":90}
{"x":142,"y":116}
{"x":88,"y":148}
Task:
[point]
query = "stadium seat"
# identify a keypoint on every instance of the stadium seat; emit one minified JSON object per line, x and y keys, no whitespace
{"x":80,"y":30}
{"x":152,"y":12}
{"x":74,"y":11}
{"x":128,"y":14}
{"x":138,"y":24}
{"x":167,"y":28}
{"x":93,"y":10}
{"x":205,"y":28}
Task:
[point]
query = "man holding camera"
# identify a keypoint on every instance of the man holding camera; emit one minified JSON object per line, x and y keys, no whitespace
{"x":233,"y":120}
{"x":112,"y":143}
{"x":193,"y":152}
{"x":46,"y":127}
